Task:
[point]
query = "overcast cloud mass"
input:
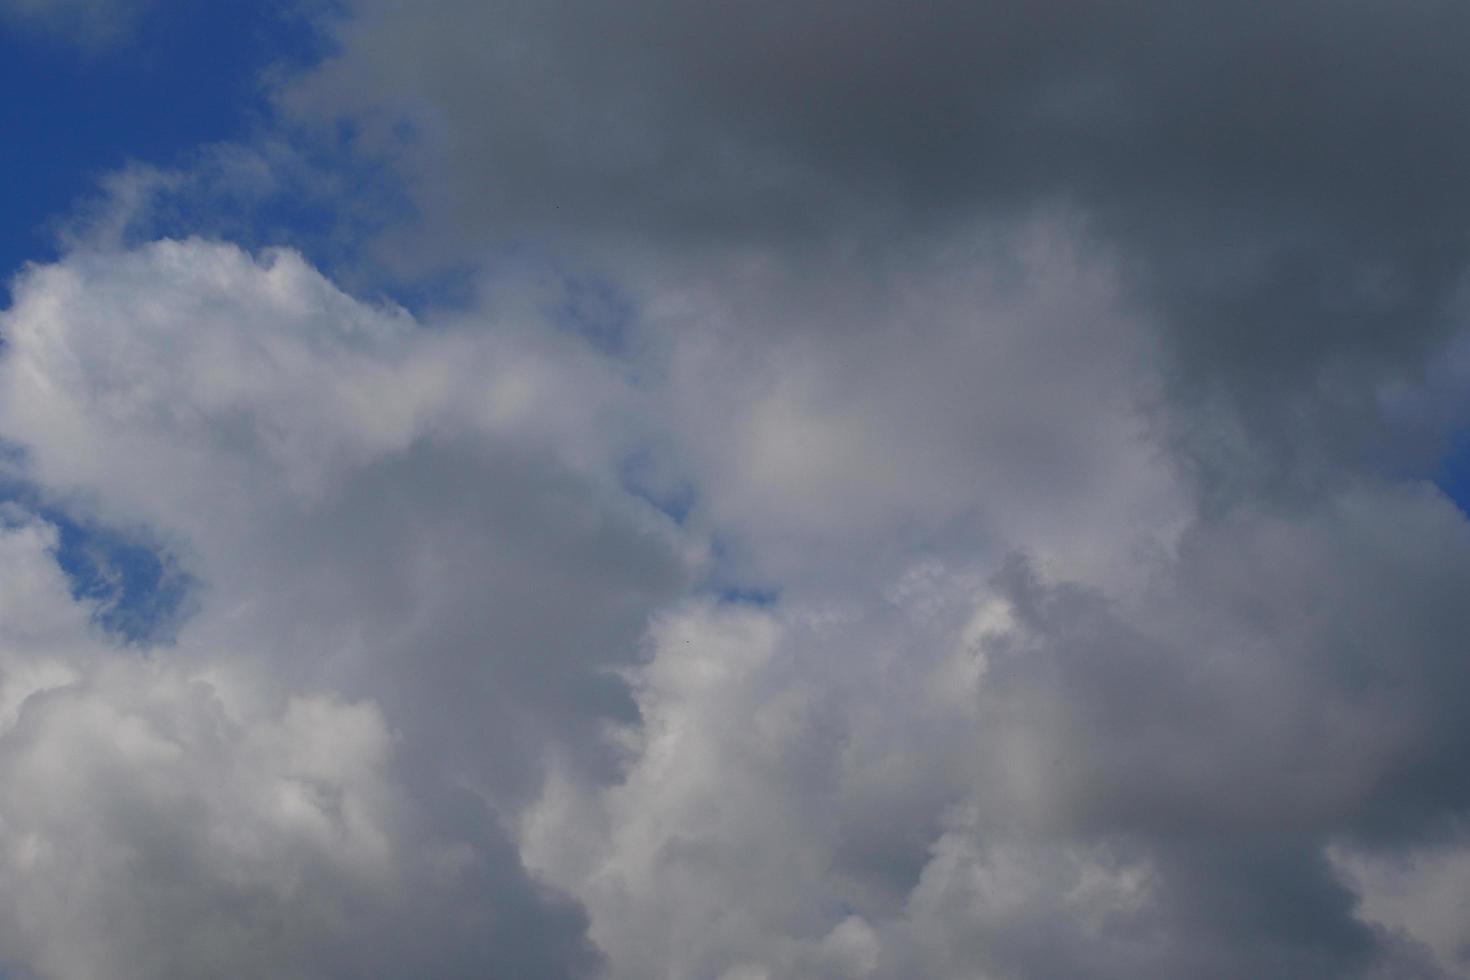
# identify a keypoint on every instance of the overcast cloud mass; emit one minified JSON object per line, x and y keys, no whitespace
{"x":771,"y":491}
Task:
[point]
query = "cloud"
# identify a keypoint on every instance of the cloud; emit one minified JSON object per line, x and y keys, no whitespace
{"x":1057,"y":377}
{"x":1282,"y":186}
{"x":992,"y":772}
{"x":905,"y":404}
{"x":1139,"y":292}
{"x":170,"y":817}
{"x":400,"y":547}
{"x":1421,"y":891}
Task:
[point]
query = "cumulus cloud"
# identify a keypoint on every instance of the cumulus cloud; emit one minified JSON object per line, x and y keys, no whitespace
{"x":441,"y":562}
{"x":1138,"y":294}
{"x":170,"y":818}
{"x":991,"y":772}
{"x":925,"y":492}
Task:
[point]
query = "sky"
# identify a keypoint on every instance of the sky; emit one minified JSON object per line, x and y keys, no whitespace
{"x":951,"y":490}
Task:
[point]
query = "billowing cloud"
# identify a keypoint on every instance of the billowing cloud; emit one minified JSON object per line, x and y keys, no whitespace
{"x":443,"y":576}
{"x":166,"y":818}
{"x":1283,"y":184}
{"x":993,"y":773}
{"x":1146,"y":295}
{"x":903,"y":407}
{"x":907,"y":491}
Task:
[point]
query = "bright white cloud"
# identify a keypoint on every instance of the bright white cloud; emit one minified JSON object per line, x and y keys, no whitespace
{"x":412,"y":592}
{"x":989,"y":772}
{"x":169,"y":818}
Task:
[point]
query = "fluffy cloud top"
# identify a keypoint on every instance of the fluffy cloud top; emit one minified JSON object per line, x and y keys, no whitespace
{"x":994,"y":774}
{"x":433,"y":551}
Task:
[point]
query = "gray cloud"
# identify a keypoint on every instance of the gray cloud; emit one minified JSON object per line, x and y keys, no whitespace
{"x":1028,"y":778}
{"x":438,"y":562}
{"x":1056,"y":375}
{"x":169,"y":819}
{"x":1283,"y":183}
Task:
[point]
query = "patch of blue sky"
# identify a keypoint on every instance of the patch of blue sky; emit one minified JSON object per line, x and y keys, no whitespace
{"x":648,"y":477}
{"x":450,"y":288}
{"x":189,"y":74}
{"x":1453,"y":477}
{"x":315,"y":194}
{"x":572,"y":297}
{"x":724,"y":582}
{"x":597,"y":310}
{"x":137,"y":590}
{"x":651,"y":479}
{"x":760,"y":598}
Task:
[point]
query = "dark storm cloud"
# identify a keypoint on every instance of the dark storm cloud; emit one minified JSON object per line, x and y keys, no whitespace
{"x":1350,"y":113}
{"x":1287,"y":683}
{"x":1284,"y":180}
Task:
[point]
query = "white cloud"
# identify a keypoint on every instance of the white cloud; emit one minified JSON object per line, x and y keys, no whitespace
{"x":177,"y":819}
{"x":1425,"y":893}
{"x":421,"y":652}
{"x":413,"y":588}
{"x":985,"y":391}
{"x":1094,"y":649}
{"x":987,"y":772}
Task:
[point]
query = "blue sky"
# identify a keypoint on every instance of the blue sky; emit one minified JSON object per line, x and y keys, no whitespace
{"x":1454,"y":475}
{"x":193,"y":74}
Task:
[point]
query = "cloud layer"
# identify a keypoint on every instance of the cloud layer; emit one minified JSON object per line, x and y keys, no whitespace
{"x":928,"y":492}
{"x":1284,"y":183}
